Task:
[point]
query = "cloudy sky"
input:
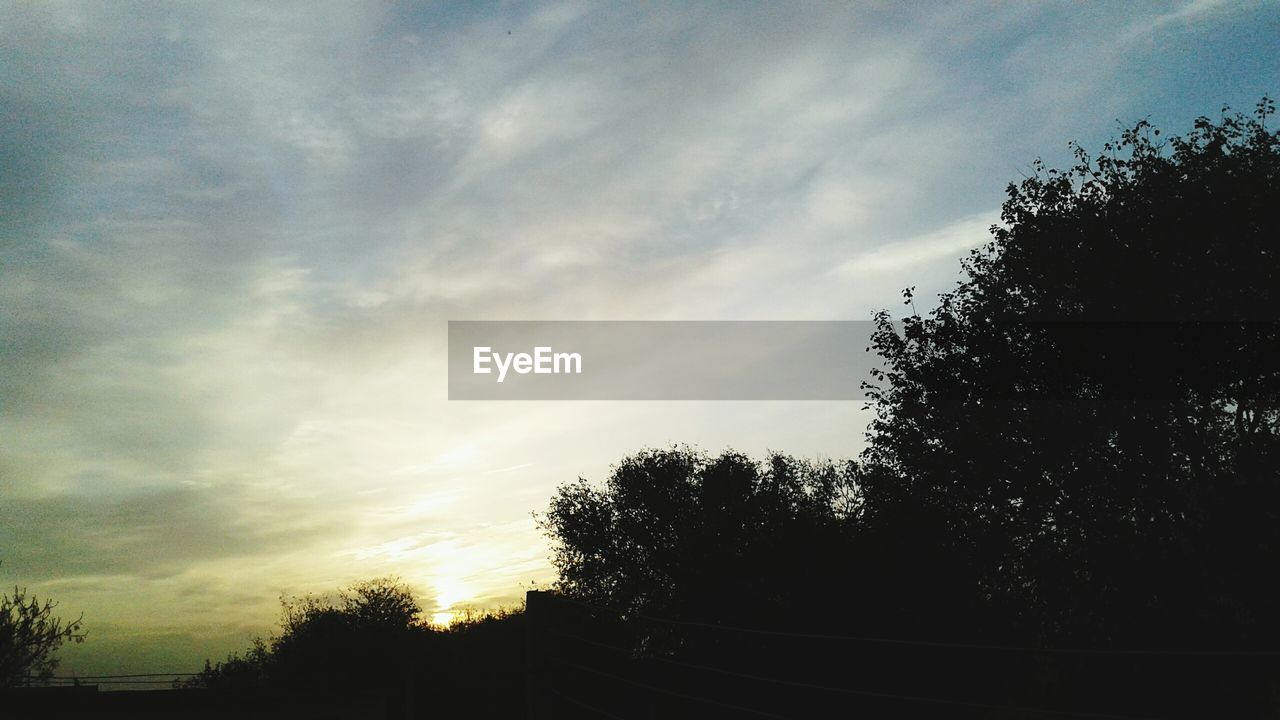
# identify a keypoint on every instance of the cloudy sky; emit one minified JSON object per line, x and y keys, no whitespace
{"x":231,"y":235}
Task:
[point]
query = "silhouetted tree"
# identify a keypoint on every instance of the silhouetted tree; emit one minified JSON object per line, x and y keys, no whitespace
{"x":30,"y":636}
{"x":676,"y":543}
{"x":362,"y":637}
{"x":369,"y":639}
{"x":1078,"y":447}
{"x":680,"y":533}
{"x":1093,"y":414}
{"x":238,"y":671}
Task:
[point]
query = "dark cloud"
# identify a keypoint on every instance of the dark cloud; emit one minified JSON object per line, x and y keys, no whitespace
{"x":148,"y":535}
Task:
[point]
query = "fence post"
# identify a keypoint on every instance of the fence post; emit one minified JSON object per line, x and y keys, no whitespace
{"x":536,"y":668}
{"x":411,"y":690}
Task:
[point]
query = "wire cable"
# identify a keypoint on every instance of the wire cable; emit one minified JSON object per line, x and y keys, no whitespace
{"x":134,"y":675}
{"x":587,"y":706}
{"x":865,"y":693}
{"x":91,"y":683}
{"x":932,"y":643}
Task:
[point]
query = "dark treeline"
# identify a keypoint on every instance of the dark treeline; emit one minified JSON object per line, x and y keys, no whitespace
{"x":370,"y":640}
{"x":1067,"y":500}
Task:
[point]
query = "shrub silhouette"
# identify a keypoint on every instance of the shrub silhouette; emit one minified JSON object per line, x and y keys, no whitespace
{"x":363,"y":638}
{"x":1077,"y":449}
{"x":30,"y":636}
{"x":369,"y":639}
{"x":680,"y":533}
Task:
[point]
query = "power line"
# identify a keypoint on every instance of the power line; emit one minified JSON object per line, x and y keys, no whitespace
{"x":134,"y":675}
{"x":932,"y":643}
{"x":91,"y":683}
{"x":866,"y":693}
{"x":581,"y":704}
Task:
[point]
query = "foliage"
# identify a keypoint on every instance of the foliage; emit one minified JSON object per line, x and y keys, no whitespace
{"x":247,"y":670}
{"x":30,"y":636}
{"x":369,"y":639}
{"x":1079,"y":447}
{"x":480,"y":664}
{"x":1095,"y":412}
{"x":676,"y":532}
{"x":361,"y":637}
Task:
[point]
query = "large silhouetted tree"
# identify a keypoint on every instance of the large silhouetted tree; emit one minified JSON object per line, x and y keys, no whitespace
{"x":1093,"y":412}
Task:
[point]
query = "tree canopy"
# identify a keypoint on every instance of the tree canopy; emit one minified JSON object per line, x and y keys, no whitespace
{"x":1095,"y":409}
{"x":369,"y":639}
{"x":360,"y":637}
{"x":1077,"y":448}
{"x":677,"y":531}
{"x":30,"y":635}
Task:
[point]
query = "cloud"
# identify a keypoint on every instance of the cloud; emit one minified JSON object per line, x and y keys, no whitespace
{"x":146,"y":535}
{"x":1191,"y":10}
{"x":231,"y":235}
{"x":943,"y":244}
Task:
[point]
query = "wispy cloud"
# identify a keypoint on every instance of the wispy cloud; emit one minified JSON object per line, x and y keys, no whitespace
{"x":946,"y":243}
{"x":232,"y":233}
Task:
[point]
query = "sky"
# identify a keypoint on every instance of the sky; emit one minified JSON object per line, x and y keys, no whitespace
{"x":232,"y":235}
